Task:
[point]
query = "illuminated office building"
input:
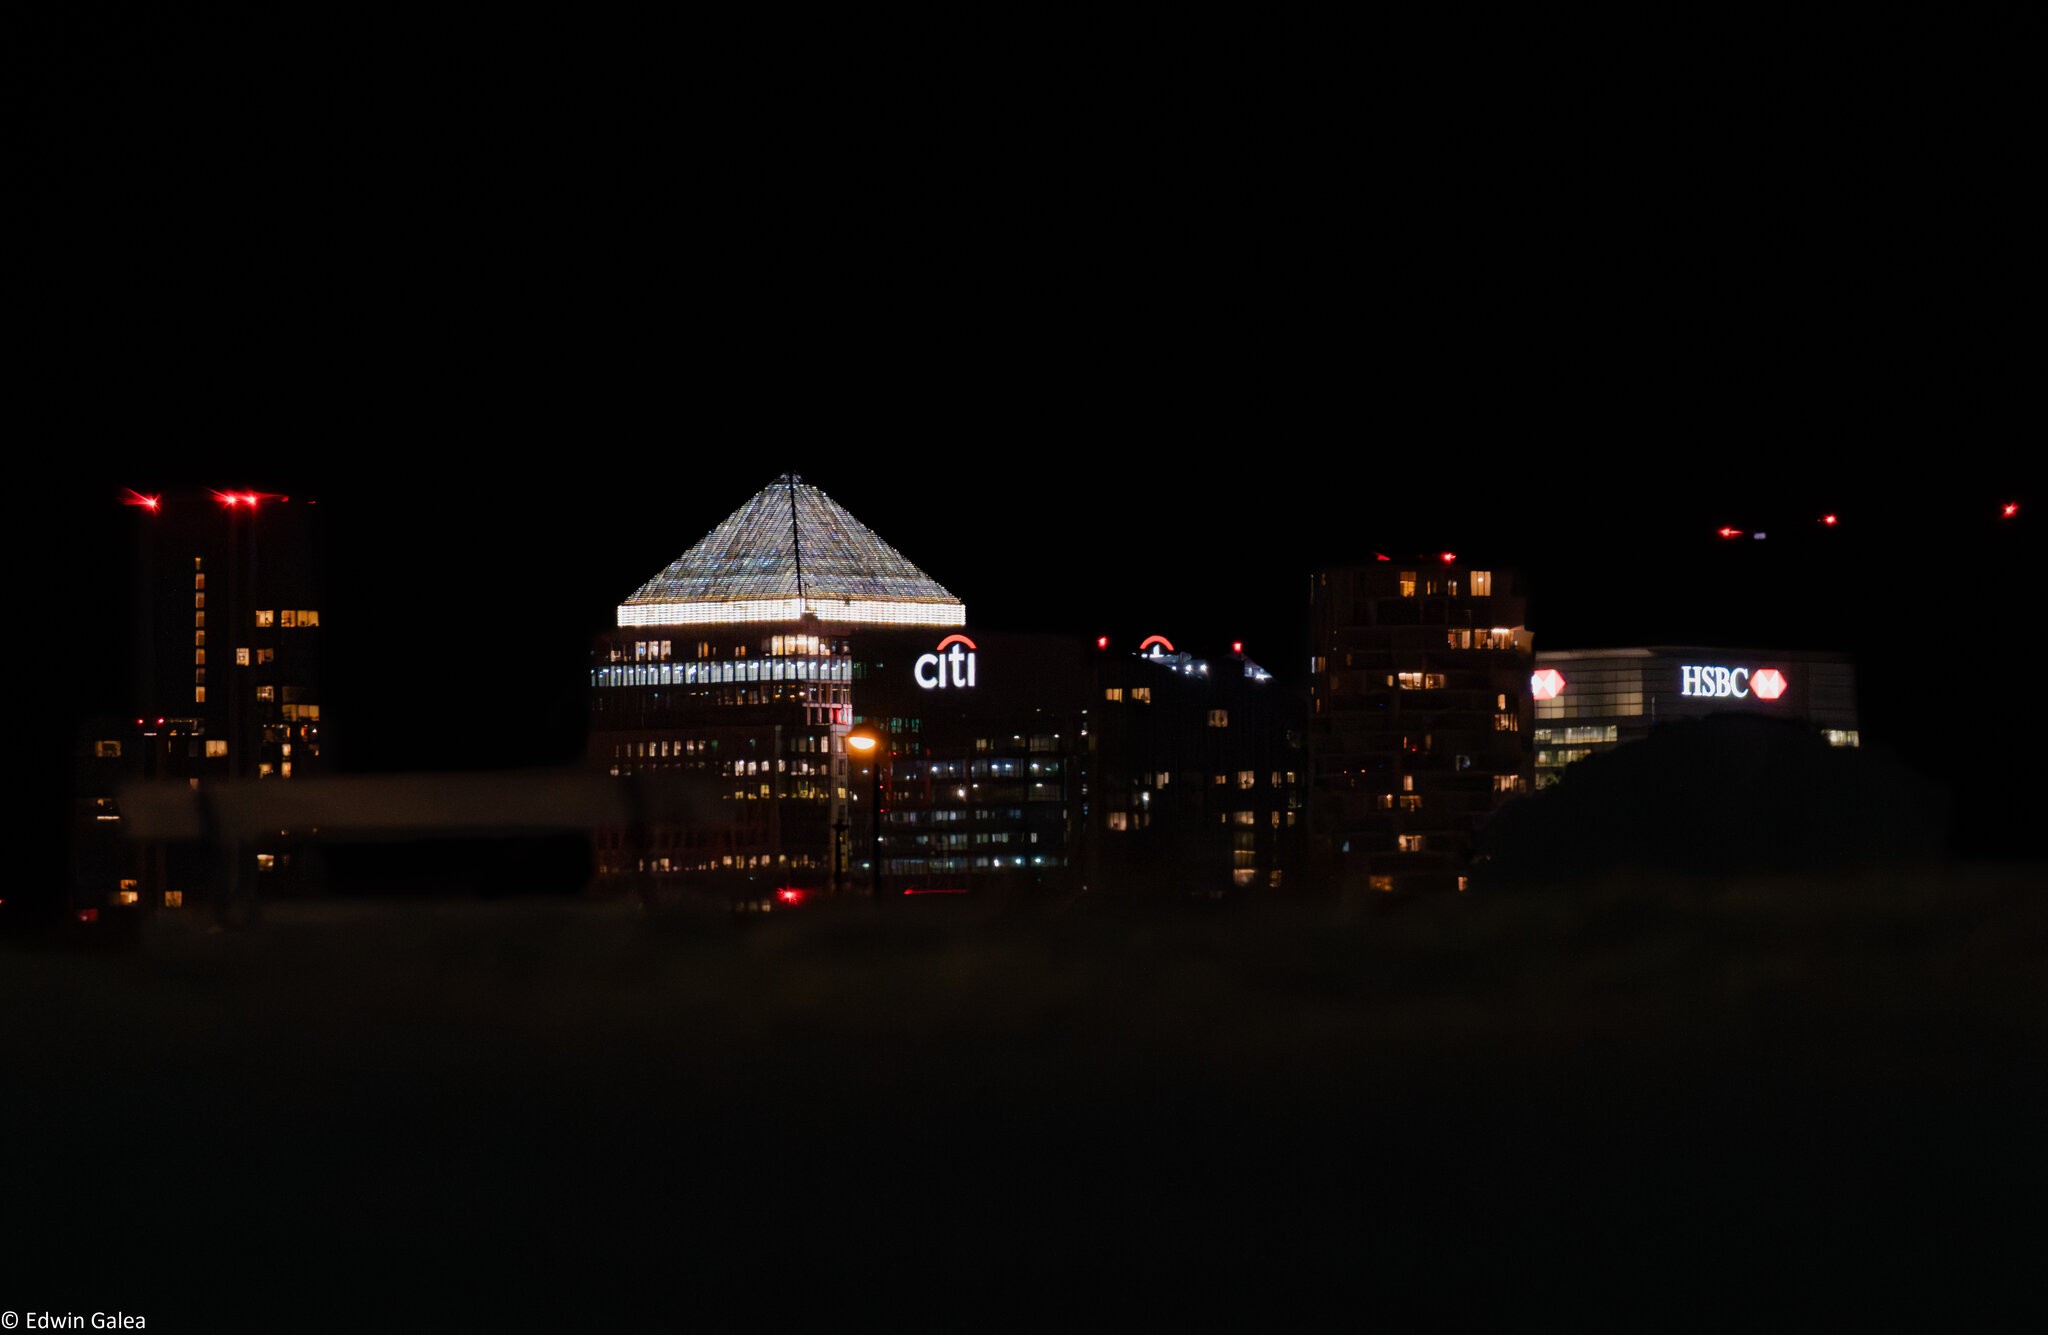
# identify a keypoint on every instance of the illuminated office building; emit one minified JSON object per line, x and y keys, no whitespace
{"x":736,"y":664}
{"x":1590,"y":700}
{"x":1007,"y":762}
{"x":1419,"y":720}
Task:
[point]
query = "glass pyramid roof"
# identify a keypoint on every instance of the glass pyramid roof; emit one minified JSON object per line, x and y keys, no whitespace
{"x":789,"y":552}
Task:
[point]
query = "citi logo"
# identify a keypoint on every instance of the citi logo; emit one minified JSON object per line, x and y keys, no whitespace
{"x":951,"y":664}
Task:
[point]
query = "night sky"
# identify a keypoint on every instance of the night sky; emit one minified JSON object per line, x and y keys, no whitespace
{"x":1121,"y":330}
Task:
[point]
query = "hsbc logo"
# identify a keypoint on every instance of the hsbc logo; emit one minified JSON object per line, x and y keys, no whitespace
{"x":951,"y":664}
{"x":1730,"y":683}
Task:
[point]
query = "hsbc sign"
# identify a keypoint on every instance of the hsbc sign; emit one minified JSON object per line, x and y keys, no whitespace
{"x":1725,"y":683}
{"x":951,"y":664}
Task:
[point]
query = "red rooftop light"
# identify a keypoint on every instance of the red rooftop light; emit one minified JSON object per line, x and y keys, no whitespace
{"x":1449,"y":557}
{"x":2008,"y":510}
{"x":1829,"y":520}
{"x":1237,"y":646}
{"x":149,"y":503}
{"x":1727,"y":532}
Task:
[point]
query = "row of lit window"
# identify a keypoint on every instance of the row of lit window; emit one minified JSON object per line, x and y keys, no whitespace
{"x":718,"y":673}
{"x":1481,"y":584}
{"x":1607,"y":732}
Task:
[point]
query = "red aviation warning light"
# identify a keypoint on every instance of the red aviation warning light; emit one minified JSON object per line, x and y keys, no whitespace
{"x":1448,"y":557}
{"x":1102,"y":642}
{"x":1726,"y":532}
{"x":1546,"y":684}
{"x":1767,"y":683}
{"x":1828,"y":521}
{"x":2008,"y":510}
{"x":149,"y":503}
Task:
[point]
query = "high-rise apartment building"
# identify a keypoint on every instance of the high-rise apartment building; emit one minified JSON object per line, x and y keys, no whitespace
{"x":225,"y":686}
{"x":1419,"y":717}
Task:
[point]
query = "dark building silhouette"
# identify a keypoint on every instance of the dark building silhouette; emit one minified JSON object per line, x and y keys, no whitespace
{"x":225,"y":688}
{"x":1419,"y":722}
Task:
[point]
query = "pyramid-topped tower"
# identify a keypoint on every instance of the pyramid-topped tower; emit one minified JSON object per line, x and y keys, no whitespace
{"x":789,"y":553}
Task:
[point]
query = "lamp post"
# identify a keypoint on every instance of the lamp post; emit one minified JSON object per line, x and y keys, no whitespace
{"x":866,"y":742}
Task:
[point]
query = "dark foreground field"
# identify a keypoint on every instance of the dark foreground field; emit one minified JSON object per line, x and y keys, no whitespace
{"x":1766,"y":1102}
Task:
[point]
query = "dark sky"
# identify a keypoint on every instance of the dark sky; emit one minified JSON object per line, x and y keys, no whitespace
{"x":1123,"y":327}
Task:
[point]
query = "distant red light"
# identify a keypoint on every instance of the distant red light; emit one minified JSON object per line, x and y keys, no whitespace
{"x":934,"y":891}
{"x":1729,"y":532}
{"x":1829,"y":520}
{"x":1768,"y":683}
{"x":149,"y":503}
{"x":1546,"y":684}
{"x":1381,"y":556}
{"x":1102,"y":642}
{"x":1237,"y":646}
{"x":789,"y":895}
{"x":88,"y":915}
{"x":1449,"y":557}
{"x":2008,"y":510}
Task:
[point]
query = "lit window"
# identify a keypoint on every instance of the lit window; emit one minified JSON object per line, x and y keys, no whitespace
{"x":1408,"y":843}
{"x":199,"y":581}
{"x":266,"y":692}
{"x":288,"y":618}
{"x":266,"y":655}
{"x":1407,"y":584}
{"x":266,"y":617}
{"x":1843,"y":737}
{"x":215,"y":747}
{"x":1507,"y":723}
{"x":1380,"y":882}
{"x":1482,"y":587}
{"x":1219,"y":718}
{"x":1119,"y":821}
{"x":108,"y":750}
{"x":199,"y":658}
{"x":174,"y":899}
{"x":1141,"y":694}
{"x":125,"y":897}
{"x":1114,"y":693}
{"x":1247,"y":778}
{"x":198,"y":600}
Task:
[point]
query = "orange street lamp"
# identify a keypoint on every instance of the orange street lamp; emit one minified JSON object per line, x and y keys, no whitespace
{"x":866,"y":743}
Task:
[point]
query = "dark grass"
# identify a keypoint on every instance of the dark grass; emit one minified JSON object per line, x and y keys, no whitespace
{"x":1679,"y":1103}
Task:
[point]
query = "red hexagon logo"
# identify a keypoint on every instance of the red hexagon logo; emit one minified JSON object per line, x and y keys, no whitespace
{"x":1768,"y":683}
{"x":1548,"y":684}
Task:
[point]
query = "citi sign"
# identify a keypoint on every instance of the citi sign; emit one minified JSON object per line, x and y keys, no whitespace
{"x":951,"y":664}
{"x":1730,"y":683}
